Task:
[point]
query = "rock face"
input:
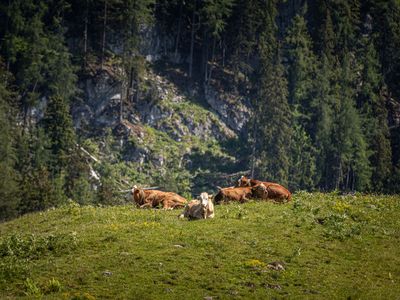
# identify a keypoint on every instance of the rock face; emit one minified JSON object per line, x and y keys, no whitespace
{"x":100,"y":104}
{"x":394,"y":112}
{"x":163,"y":107}
{"x":234,"y":111}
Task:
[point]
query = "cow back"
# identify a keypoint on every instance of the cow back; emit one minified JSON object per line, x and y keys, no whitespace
{"x":236,"y":194}
{"x":173,"y":200}
{"x":278,"y":193}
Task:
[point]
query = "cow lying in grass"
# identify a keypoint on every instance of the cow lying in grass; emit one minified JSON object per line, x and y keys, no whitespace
{"x":199,"y":209}
{"x":153,"y":198}
{"x":266,"y":190}
{"x":234,"y":194}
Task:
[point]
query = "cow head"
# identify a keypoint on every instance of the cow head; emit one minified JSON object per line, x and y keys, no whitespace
{"x":244,"y":181}
{"x":260,"y":191}
{"x":137,"y":195}
{"x":204,"y":199}
{"x":206,"y":205}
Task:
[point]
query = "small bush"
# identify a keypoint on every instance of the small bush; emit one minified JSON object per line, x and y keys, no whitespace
{"x":53,"y":286}
{"x":32,"y":289}
{"x":12,"y":268}
{"x":33,"y":246}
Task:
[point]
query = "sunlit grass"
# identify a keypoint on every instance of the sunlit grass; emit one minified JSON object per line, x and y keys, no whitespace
{"x":331,"y":246}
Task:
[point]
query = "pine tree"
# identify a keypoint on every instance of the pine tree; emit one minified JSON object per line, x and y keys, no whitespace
{"x":302,"y":67}
{"x":40,"y":189}
{"x":351,"y":167}
{"x":9,"y":191}
{"x":322,"y":105}
{"x":215,"y":12}
{"x":346,"y":14}
{"x":271,"y":132}
{"x":302,"y":164}
{"x":58,"y":125}
{"x":374,"y":114}
{"x":23,"y":49}
{"x":242,"y":33}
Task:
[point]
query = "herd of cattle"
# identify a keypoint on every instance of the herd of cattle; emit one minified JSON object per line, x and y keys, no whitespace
{"x":203,"y":208}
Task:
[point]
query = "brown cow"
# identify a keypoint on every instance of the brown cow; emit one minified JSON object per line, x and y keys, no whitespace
{"x":266,"y":190}
{"x":237,"y":194}
{"x":154,"y":198}
{"x":199,"y":209}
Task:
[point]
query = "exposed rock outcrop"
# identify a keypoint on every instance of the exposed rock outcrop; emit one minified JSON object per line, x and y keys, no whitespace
{"x":394,"y":112}
{"x":234,"y":110}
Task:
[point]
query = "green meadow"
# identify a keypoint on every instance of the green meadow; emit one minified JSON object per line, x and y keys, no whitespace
{"x":319,"y":246}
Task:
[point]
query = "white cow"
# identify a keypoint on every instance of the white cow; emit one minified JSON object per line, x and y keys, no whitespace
{"x":199,"y":209}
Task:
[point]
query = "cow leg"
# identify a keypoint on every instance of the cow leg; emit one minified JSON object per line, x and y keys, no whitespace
{"x":167,"y":206}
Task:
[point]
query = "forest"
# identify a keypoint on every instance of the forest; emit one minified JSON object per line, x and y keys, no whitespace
{"x":319,"y":81}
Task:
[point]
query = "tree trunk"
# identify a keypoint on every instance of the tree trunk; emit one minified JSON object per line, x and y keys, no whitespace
{"x":178,"y":35}
{"x":205,"y":58}
{"x":223,"y":54}
{"x":192,"y":43}
{"x":212,"y":60}
{"x":254,"y":146}
{"x":85,"y":35}
{"x":338,"y":176}
{"x":8,"y":18}
{"x":103,"y":45}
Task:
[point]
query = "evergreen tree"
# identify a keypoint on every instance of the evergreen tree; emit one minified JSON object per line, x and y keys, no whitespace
{"x":9,"y":191}
{"x":243,"y":33}
{"x":302,"y":67}
{"x":374,"y":114}
{"x":302,"y":164}
{"x":274,"y":118}
{"x":351,"y":168}
{"x":215,"y":12}
{"x":107,"y":194}
{"x":58,"y":125}
{"x":40,"y":189}
{"x":274,"y":126}
{"x":131,"y":15}
{"x":346,"y":14}
{"x":322,"y":105}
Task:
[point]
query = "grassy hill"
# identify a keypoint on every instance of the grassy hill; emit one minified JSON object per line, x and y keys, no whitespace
{"x":330,"y":246}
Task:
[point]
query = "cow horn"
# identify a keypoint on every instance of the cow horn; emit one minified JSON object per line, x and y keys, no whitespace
{"x":151,"y":188}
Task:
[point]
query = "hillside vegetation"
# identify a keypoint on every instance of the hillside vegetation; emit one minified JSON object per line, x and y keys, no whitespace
{"x":96,"y":96}
{"x":325,"y":246}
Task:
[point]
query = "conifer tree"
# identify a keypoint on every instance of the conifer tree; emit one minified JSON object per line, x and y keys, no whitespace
{"x":351,"y":167}
{"x":58,"y":125}
{"x":273,"y":124}
{"x":9,"y":191}
{"x":216,"y":12}
{"x":302,"y":66}
{"x":243,"y":32}
{"x":40,"y":189}
{"x":322,"y":105}
{"x":374,"y":114}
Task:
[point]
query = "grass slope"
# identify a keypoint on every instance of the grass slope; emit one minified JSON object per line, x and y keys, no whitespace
{"x":331,"y":247}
